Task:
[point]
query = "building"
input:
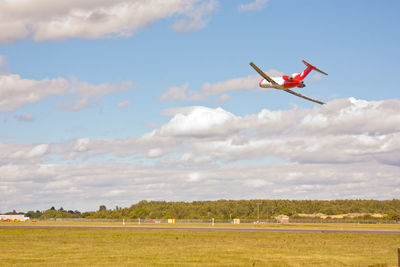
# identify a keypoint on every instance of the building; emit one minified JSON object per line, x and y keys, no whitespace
{"x":13,"y":217}
{"x":282,"y":218}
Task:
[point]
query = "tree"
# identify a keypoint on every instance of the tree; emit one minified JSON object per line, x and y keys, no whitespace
{"x":33,"y":215}
{"x":394,"y":216}
{"x":102,"y":208}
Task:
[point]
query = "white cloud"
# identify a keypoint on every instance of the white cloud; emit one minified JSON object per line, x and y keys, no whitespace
{"x":353,"y":116}
{"x":46,"y":20}
{"x":154,"y":153}
{"x":114,"y":193}
{"x":180,"y":110}
{"x":13,"y":153}
{"x":16,"y":91}
{"x":349,"y":132}
{"x":255,"y":183}
{"x":180,"y":93}
{"x":87,"y":185}
{"x":346,"y":130}
{"x":88,"y":94}
{"x":347,"y":148}
{"x":255,"y":5}
{"x":177,"y":93}
{"x":247,"y":83}
{"x":38,"y":151}
{"x":124,"y":104}
{"x":197,"y":17}
{"x":194,"y":177}
{"x":200,"y":122}
{"x":81,"y":145}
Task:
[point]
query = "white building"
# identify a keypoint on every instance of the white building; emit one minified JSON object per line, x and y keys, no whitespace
{"x":20,"y":217}
{"x":282,"y":218}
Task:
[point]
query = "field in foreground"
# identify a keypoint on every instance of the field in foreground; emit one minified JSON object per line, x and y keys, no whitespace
{"x":140,"y":247}
{"x":322,"y":226}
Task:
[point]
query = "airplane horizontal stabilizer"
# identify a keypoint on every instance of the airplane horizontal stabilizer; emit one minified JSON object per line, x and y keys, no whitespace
{"x":315,"y":68}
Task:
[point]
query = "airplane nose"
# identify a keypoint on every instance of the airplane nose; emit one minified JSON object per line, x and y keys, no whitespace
{"x":260,"y":82}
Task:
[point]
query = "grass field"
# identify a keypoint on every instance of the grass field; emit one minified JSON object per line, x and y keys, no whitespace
{"x":141,"y":247}
{"x":341,"y":226}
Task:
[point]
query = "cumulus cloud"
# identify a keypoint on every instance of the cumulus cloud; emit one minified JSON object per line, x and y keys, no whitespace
{"x":208,"y":89}
{"x":180,"y":110}
{"x":254,"y":5}
{"x":17,"y":153}
{"x":45,"y":20}
{"x":87,"y":185}
{"x":198,"y":122}
{"x":180,"y":93}
{"x":342,"y":131}
{"x":197,"y":17}
{"x":81,"y":145}
{"x":16,"y":91}
{"x":154,"y":153}
{"x":87,"y":94}
{"x":353,"y":116}
{"x":347,"y":148}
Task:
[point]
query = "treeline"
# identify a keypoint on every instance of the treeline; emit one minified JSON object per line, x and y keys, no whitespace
{"x":226,"y":209}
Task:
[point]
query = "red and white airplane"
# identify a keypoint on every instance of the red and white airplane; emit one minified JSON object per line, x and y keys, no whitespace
{"x":286,"y":82}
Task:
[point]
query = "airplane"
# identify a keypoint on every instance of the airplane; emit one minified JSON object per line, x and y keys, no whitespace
{"x":286,"y":82}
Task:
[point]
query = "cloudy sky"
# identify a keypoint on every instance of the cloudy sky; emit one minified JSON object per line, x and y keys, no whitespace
{"x":112,"y":102}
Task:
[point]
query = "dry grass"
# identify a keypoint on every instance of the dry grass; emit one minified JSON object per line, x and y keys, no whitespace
{"x":341,"y":226}
{"x":140,"y":247}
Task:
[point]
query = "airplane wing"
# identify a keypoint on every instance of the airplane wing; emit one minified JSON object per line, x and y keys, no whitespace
{"x":302,"y":96}
{"x":265,"y":76}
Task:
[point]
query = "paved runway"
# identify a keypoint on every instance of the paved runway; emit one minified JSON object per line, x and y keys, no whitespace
{"x":206,"y":229}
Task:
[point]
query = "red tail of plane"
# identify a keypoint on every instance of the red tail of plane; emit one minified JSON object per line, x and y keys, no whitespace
{"x":309,"y":68}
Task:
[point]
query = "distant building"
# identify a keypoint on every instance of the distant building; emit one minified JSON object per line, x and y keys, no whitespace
{"x":12,"y":217}
{"x":282,"y":218}
{"x":340,"y":216}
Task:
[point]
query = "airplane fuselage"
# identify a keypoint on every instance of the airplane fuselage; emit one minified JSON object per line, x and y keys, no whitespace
{"x":287,"y":82}
{"x":282,"y":83}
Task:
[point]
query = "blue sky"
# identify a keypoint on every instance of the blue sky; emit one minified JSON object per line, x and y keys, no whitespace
{"x":83,"y":84}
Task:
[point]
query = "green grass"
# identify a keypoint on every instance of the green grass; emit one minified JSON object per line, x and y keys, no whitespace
{"x":141,"y":247}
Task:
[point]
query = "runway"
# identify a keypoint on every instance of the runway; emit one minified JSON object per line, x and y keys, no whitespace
{"x":284,"y":230}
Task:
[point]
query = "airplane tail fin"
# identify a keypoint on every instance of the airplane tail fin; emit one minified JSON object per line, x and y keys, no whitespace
{"x":313,"y":67}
